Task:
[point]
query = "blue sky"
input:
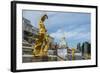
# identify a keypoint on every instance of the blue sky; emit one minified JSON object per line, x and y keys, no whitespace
{"x":74,"y":26}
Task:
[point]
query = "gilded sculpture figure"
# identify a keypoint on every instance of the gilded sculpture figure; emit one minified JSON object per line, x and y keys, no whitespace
{"x":42,"y":42}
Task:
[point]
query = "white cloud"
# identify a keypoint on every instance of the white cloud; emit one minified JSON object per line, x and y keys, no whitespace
{"x":73,"y":35}
{"x":57,"y":35}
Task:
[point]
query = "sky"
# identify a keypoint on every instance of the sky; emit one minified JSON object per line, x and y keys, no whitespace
{"x":74,"y":26}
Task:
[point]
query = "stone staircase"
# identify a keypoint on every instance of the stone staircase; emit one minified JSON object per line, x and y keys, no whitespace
{"x":26,"y":52}
{"x":27,"y":55}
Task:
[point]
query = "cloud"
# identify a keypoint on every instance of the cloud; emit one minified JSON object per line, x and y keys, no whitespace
{"x":71,"y":35}
{"x":57,"y":35}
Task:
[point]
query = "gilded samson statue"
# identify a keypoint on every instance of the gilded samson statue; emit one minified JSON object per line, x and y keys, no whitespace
{"x":42,"y":42}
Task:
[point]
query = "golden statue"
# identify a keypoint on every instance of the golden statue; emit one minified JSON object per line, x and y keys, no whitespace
{"x":42,"y":42}
{"x":73,"y":53}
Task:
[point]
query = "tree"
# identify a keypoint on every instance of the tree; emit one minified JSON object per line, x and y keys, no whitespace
{"x":79,"y":46}
{"x":82,"y":49}
{"x":89,"y":48}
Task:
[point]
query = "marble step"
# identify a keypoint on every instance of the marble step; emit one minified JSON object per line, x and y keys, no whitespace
{"x":25,"y":47}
